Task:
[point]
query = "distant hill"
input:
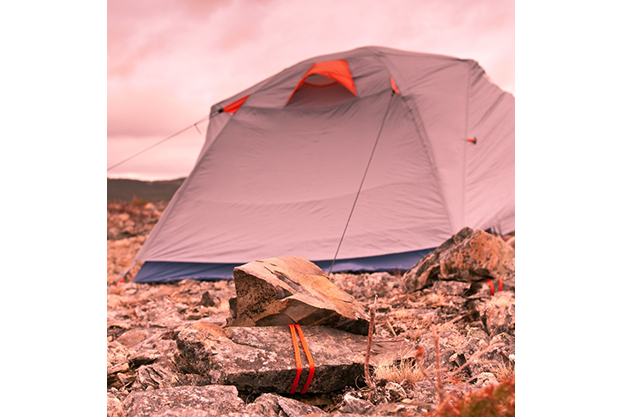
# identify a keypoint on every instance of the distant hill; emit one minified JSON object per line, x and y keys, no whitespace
{"x":152,"y":191}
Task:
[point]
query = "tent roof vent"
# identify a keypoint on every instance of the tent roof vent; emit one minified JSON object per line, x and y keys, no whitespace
{"x":325,"y":74}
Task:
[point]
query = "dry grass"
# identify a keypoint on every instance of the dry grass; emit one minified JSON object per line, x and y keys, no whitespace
{"x":504,"y":371}
{"x":433,"y":300}
{"x":405,"y":371}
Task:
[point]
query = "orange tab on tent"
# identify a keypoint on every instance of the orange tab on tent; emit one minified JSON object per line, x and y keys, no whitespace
{"x":337,"y":70}
{"x":394,"y":86}
{"x":233,"y":107}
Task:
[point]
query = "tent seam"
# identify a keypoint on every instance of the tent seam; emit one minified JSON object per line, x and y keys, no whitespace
{"x":428,"y":151}
{"x":422,"y":133}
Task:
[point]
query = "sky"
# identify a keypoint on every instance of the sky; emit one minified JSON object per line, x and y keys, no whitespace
{"x":168,"y":62}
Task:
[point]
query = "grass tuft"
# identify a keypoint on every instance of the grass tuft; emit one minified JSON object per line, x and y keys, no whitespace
{"x":404,"y":371}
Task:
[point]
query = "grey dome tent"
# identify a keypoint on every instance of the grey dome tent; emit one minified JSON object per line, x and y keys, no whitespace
{"x":370,"y":158}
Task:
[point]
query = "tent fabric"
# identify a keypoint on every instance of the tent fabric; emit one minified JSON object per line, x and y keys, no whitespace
{"x":279,"y":175}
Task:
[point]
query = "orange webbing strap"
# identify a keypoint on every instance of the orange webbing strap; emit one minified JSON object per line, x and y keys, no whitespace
{"x":298,"y":362}
{"x":311,"y":364}
{"x":492,"y":287}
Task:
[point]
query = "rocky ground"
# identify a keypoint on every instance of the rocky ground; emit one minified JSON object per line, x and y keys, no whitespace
{"x":464,"y":336}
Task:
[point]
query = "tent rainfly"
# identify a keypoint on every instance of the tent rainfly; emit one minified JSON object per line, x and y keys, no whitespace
{"x":359,"y":160}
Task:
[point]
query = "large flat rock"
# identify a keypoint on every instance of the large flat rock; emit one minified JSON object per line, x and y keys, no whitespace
{"x":262,"y":359}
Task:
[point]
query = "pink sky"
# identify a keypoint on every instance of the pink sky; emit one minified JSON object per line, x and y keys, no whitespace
{"x":169,"y":61}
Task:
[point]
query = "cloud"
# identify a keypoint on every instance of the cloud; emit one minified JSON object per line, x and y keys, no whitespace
{"x":150,"y":112}
{"x":168,"y":62}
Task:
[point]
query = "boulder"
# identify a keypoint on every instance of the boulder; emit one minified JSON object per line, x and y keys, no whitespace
{"x":292,"y":290}
{"x":470,"y":255}
{"x":262,"y":359}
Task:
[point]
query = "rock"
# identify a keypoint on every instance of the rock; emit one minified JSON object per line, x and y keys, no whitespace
{"x":116,"y":352}
{"x":485,"y":378}
{"x":207,"y":300}
{"x":367,"y":286}
{"x":449,"y":340}
{"x":272,"y":404}
{"x":177,"y":411}
{"x":397,"y":409}
{"x":469,"y":255}
{"x":476,"y":340}
{"x":113,"y":406}
{"x":497,"y":353}
{"x":121,"y":367}
{"x":424,"y":392}
{"x":156,"y":376}
{"x":266,"y":405}
{"x":216,"y":400}
{"x":142,"y":358}
{"x":499,"y":313}
{"x":261,"y":359}
{"x":511,"y":242}
{"x":292,"y":290}
{"x":503,"y":350}
{"x":354,"y":405}
{"x":392,"y":392}
{"x":134,"y":336}
{"x":451,"y":288}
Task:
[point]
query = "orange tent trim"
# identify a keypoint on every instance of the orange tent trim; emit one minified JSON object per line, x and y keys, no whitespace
{"x":394,"y":86}
{"x":233,"y":107}
{"x":337,"y":70}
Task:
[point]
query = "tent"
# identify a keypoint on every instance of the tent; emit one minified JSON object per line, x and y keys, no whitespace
{"x":359,"y":160}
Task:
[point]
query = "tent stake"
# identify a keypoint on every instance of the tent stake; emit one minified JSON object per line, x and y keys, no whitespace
{"x":123,"y":274}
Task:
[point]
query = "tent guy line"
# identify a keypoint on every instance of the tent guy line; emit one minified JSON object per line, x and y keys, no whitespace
{"x":375,"y":145}
{"x":159,"y":142}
